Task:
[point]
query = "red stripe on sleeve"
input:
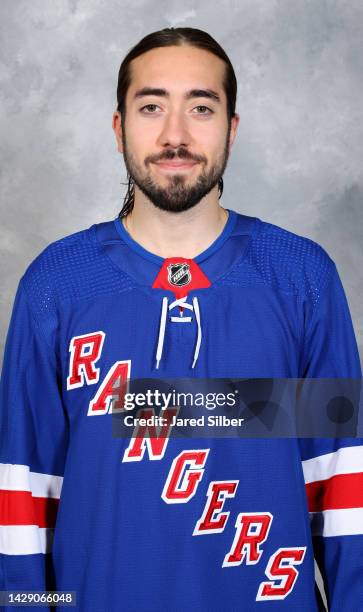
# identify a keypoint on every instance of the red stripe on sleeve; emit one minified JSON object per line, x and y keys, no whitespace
{"x":338,"y":492}
{"x":20,"y":508}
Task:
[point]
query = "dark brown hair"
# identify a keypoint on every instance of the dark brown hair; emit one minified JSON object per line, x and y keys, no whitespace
{"x":166,"y":38}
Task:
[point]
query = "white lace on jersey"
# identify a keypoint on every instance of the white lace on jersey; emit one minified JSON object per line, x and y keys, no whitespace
{"x":180,"y":319}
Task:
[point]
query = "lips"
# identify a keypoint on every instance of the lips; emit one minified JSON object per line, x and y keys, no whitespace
{"x":176,"y":164}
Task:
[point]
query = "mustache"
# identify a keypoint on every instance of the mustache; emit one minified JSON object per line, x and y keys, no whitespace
{"x":181,"y":153}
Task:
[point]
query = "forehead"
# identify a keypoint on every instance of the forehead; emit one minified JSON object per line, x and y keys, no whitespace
{"x":177,"y":69}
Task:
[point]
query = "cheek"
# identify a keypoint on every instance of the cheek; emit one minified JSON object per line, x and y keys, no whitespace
{"x":140,"y":142}
{"x":211,"y":139}
{"x":214,"y":147}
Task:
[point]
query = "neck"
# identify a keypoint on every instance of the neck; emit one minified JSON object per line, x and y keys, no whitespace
{"x":184,"y":234}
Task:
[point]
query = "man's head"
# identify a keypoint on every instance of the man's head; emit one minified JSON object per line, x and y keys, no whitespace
{"x":176,"y":104}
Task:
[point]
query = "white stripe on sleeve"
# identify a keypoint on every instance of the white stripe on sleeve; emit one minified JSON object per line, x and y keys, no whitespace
{"x":339,"y":522}
{"x":25,"y":539}
{"x":14,"y":477}
{"x":348,"y":460}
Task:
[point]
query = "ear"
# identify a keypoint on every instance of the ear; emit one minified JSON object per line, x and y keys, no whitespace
{"x":117,"y":128}
{"x":233,"y":132}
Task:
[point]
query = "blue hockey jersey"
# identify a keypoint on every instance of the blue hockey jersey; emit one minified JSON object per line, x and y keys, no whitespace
{"x":142,"y":524}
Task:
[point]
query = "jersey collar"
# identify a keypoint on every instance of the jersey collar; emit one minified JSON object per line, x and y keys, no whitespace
{"x":220,"y":240}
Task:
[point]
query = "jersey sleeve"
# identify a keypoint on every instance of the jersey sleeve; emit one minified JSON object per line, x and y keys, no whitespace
{"x":330,"y":348}
{"x":333,"y":467}
{"x":33,"y":445}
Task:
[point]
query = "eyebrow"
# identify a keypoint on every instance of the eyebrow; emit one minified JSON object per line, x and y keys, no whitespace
{"x":192,"y":93}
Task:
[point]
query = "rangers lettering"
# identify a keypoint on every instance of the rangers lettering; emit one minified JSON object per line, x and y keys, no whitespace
{"x":111,"y":394}
{"x":156,"y":441}
{"x":85,"y":352}
{"x":182,"y":483}
{"x":246,"y":543}
{"x":283,"y":577}
{"x":212,"y":519}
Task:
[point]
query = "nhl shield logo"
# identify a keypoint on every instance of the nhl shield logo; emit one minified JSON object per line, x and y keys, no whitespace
{"x":179,"y":274}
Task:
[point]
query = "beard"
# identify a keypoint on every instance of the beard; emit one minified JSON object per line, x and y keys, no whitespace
{"x":178,"y":195}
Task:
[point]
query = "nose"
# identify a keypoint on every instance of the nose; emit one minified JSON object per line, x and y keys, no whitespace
{"x":174,"y":132}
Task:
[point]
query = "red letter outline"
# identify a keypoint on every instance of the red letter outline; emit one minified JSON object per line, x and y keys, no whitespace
{"x":246,"y":548}
{"x":193,"y":474}
{"x":269,"y":587}
{"x":82,"y":368}
{"x":217,"y":514}
{"x":106,"y":380}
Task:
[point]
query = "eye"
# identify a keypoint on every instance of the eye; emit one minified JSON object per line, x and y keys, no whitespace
{"x":150,"y":107}
{"x":205,"y":110}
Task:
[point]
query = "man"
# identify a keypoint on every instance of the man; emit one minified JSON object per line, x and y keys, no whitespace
{"x":176,"y":287}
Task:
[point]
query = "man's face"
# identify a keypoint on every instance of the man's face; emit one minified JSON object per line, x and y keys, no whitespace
{"x":176,"y":140}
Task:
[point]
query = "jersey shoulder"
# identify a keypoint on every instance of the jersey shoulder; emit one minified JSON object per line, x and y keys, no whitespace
{"x":71,"y":268}
{"x":294,"y":263}
{"x":285,"y":261}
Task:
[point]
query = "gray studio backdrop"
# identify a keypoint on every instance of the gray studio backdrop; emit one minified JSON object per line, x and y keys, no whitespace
{"x":297,"y":161}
